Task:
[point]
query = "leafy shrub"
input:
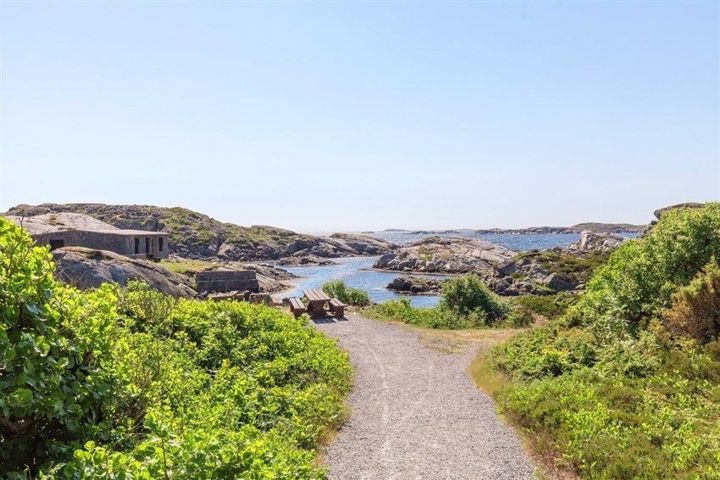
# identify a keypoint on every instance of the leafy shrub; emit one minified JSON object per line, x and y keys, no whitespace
{"x":141,"y":303}
{"x":546,"y":351}
{"x":468,"y":295}
{"x":616,"y":393}
{"x":133,"y":384}
{"x":577,"y":268}
{"x":519,"y":317}
{"x":50,"y":372}
{"x":641,"y":275}
{"x":695,"y":308}
{"x":348,"y":295}
{"x":549,"y":306}
{"x":662,"y":426}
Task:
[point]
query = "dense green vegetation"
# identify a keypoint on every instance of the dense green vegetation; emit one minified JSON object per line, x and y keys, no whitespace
{"x":549,"y":306}
{"x":466,"y":302}
{"x":578,"y":268}
{"x":134,"y":384}
{"x":626,"y":384}
{"x":348,"y":295}
{"x":695,"y":308}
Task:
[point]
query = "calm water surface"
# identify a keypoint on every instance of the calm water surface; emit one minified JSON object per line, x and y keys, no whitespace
{"x":353,"y":272}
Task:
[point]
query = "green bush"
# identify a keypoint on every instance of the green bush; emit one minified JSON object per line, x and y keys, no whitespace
{"x":641,"y":275}
{"x":656,"y":427}
{"x":468,"y":295}
{"x":618,"y":395}
{"x":519,"y":317}
{"x":50,"y":354}
{"x":133,"y":384}
{"x":577,"y":268}
{"x":695,"y":308}
{"x":549,"y":306}
{"x":466,"y":302}
{"x":348,"y":295}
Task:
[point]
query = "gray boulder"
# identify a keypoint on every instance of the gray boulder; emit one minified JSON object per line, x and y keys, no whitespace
{"x":446,"y":255}
{"x":595,"y":242}
{"x":558,"y":282}
{"x":306,"y":260}
{"x":88,"y":268}
{"x":415,"y":285}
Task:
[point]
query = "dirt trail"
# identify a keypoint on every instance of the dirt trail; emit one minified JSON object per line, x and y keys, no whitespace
{"x":415,"y":413}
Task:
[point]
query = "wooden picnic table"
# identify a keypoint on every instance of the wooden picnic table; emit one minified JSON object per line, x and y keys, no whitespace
{"x":316,"y":302}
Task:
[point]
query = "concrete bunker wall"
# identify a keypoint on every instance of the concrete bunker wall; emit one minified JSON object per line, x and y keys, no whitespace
{"x":122,"y":243}
{"x":226,"y":281}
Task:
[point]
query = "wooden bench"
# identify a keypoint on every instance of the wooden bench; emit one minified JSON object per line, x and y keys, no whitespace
{"x":337,"y":307}
{"x":297,"y":307}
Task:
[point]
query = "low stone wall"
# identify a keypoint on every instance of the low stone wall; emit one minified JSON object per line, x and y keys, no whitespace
{"x":226,"y":281}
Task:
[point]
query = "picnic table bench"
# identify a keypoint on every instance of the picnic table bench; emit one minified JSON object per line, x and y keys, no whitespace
{"x":297,"y":307}
{"x":316,"y":302}
{"x":337,"y":307}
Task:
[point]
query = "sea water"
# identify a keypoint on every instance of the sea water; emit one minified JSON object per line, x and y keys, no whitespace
{"x":356,"y":273}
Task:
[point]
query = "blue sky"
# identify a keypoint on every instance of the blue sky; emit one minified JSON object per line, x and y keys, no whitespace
{"x":328,"y":116}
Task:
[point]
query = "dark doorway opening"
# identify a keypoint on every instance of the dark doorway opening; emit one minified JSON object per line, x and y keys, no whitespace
{"x":147,"y":245}
{"x":56,"y":244}
{"x":137,"y":246}
{"x":160,"y":244}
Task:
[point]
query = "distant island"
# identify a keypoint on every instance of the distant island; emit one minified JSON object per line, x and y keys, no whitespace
{"x":594,"y":227}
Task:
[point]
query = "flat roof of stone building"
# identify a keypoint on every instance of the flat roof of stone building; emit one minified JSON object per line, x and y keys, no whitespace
{"x":48,"y":223}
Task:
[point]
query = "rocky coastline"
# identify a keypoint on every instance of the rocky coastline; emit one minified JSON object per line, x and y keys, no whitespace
{"x":195,"y":237}
{"x":89,"y":268}
{"x":506,"y":272}
{"x":414,"y":285}
{"x":445,"y":255}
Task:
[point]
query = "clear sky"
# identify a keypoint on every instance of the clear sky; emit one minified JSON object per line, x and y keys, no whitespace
{"x":359,"y":115}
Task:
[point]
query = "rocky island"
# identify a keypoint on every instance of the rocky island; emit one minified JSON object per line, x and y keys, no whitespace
{"x":446,"y":255}
{"x":592,"y":227}
{"x":505,"y":271}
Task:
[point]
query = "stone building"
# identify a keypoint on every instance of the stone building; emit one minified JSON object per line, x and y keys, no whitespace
{"x":77,"y":230}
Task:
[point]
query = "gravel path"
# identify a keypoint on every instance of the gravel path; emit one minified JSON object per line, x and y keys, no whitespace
{"x":415,"y":413}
